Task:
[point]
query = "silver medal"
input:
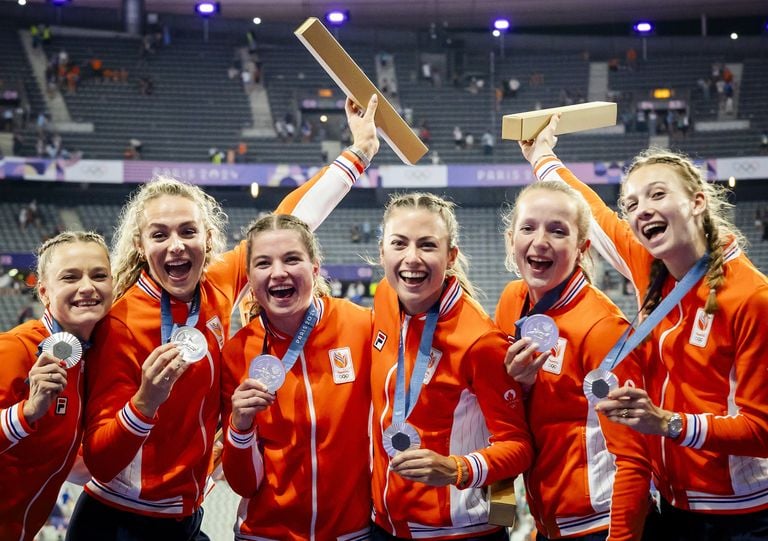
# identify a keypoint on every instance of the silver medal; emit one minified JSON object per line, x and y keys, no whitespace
{"x":191,"y":343}
{"x":269,"y":370}
{"x":400,"y":437}
{"x":64,"y":346}
{"x":542,"y":329}
{"x":598,"y":383}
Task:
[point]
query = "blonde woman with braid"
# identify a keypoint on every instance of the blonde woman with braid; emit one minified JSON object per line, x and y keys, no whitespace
{"x":41,"y":395}
{"x":706,"y":375}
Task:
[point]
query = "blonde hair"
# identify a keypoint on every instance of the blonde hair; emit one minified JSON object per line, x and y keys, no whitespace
{"x":445,"y":210}
{"x":127,"y":261}
{"x":287,"y":222}
{"x":45,"y":251}
{"x":718,"y":229}
{"x":583,"y":221}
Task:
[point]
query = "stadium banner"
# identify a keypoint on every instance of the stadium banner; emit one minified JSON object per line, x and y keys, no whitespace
{"x":210,"y":174}
{"x":18,"y":260}
{"x":69,"y":170}
{"x":419,"y":176}
{"x":352,"y":273}
{"x":755,"y":167}
{"x":386,"y":176}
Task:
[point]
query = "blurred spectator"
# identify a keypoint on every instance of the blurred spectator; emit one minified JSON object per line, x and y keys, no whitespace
{"x":434,"y":157}
{"x":306,"y":131}
{"x":280,"y":130}
{"x":97,"y":68}
{"x":134,"y":149}
{"x":146,"y":85}
{"x":764,"y":142}
{"x":488,"y":142}
{"x":469,"y":141}
{"x":45,"y":35}
{"x":366,"y":231}
{"x":242,"y":151}
{"x":631,"y":57}
{"x":458,"y":138}
{"x":34,"y":33}
{"x":18,"y":143}
{"x":354,"y":233}
{"x":424,"y":134}
{"x":513,"y":85}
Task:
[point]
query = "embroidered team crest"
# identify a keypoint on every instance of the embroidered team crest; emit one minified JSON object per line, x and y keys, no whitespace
{"x":554,"y":364}
{"x":214,"y":325}
{"x":381,"y":339}
{"x":434,"y":359}
{"x":510,"y":397}
{"x":702,"y":325}
{"x":341,"y":365}
{"x":61,"y":405}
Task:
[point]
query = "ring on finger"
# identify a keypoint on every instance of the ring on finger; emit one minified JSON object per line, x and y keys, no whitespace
{"x":624,"y":413}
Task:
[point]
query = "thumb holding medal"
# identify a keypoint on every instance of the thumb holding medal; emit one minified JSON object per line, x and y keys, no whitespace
{"x":250,"y":398}
{"x":47,"y":379}
{"x":163,"y":367}
{"x":522,"y":363}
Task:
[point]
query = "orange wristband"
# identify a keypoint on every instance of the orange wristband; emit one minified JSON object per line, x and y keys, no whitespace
{"x":459,"y":474}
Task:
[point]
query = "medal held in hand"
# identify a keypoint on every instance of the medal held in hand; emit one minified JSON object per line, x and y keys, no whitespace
{"x":598,"y":383}
{"x":64,"y":346}
{"x":190,"y":342}
{"x":542,"y":329}
{"x":400,"y":437}
{"x":269,"y":370}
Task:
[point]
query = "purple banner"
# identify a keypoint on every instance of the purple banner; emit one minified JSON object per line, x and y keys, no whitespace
{"x":210,"y":174}
{"x":18,"y":260}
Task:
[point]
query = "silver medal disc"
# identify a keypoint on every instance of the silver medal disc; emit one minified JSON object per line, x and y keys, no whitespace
{"x":598,"y":383}
{"x":542,"y":329}
{"x":399,"y":438}
{"x":64,"y":346}
{"x":191,"y":343}
{"x":269,"y":370}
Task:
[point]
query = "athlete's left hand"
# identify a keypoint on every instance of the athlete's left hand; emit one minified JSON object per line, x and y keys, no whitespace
{"x":424,"y":466}
{"x":633,"y":408}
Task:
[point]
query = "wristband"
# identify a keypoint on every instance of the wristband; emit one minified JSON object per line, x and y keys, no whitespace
{"x":360,"y":155}
{"x":536,"y":163}
{"x":459,"y":473}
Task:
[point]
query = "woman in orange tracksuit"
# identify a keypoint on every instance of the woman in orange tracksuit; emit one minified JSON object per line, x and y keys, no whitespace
{"x":706,"y":393}
{"x":153,"y":406}
{"x":590,"y":478}
{"x":298,"y":455}
{"x":41,"y":397}
{"x":458,"y":424}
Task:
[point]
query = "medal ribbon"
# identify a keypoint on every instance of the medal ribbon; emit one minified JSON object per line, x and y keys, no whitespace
{"x":167,"y":325}
{"x":544,"y":304}
{"x":300,"y":338}
{"x":403,"y":405}
{"x":627,"y":343}
{"x":56,"y":328}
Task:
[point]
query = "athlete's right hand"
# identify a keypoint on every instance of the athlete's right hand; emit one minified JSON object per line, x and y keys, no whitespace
{"x":47,"y":380}
{"x":250,"y":397}
{"x":544,"y":143}
{"x":522,"y":363}
{"x":362,"y":125}
{"x":161,"y":370}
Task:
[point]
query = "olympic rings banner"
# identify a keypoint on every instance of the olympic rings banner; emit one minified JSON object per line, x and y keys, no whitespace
{"x":387,"y":176}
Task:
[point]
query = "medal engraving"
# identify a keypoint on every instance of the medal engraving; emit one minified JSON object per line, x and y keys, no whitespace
{"x":542,"y":329}
{"x":269,"y":370}
{"x":598,"y":383}
{"x":64,"y":346}
{"x":399,"y":438}
{"x":191,"y":342}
